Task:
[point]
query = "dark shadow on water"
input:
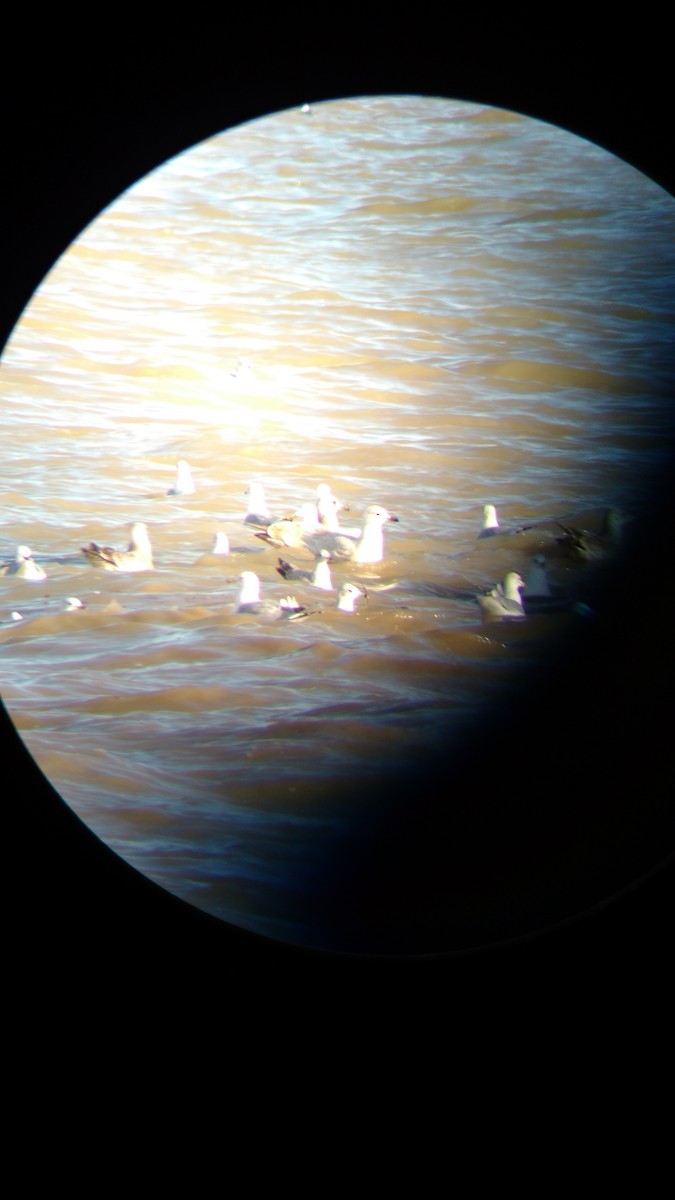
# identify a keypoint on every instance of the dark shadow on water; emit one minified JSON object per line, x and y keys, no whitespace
{"x":555,"y":802}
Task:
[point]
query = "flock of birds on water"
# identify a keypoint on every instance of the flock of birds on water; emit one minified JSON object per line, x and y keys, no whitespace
{"x":315,"y":530}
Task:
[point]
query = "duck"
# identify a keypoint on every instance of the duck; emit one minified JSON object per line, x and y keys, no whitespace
{"x":586,"y":546}
{"x":137,"y":557}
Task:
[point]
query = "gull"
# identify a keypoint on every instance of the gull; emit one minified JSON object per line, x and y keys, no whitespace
{"x":347,"y":596}
{"x":219,"y":550}
{"x":291,"y":531}
{"x":72,"y":604}
{"x":319,"y":578}
{"x":327,"y":504}
{"x":490,"y":522}
{"x":367,"y":548}
{"x":327,"y":509}
{"x":23,"y":566}
{"x":491,"y":525}
{"x":504,"y":601}
{"x":536,"y":581}
{"x":138,"y":556}
{"x":184,"y":485}
{"x":271,"y":610}
{"x":258,"y":512}
{"x":540,"y":598}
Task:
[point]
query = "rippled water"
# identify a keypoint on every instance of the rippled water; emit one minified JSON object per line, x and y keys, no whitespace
{"x":444,"y":305}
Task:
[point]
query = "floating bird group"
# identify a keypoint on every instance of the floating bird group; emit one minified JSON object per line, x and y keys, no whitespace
{"x":314,"y":529}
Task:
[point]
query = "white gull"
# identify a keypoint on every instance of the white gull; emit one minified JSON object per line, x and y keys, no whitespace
{"x":327,"y":507}
{"x":348,"y":595}
{"x":319,"y":577}
{"x":184,"y":485}
{"x":23,"y":566}
{"x":490,"y":524}
{"x":271,"y":610}
{"x":291,"y":531}
{"x":138,"y":556}
{"x":219,"y":550}
{"x":504,"y":601}
{"x":258,"y":513}
{"x":367,"y":548}
{"x":536,"y":580}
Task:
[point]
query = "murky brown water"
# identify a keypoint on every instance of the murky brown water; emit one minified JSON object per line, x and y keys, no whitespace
{"x":444,"y":306}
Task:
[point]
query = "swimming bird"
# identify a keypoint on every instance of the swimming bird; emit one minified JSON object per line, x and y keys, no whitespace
{"x":536,"y":580}
{"x":319,"y":577}
{"x":138,"y":556}
{"x":271,"y":610}
{"x":348,"y":595}
{"x":490,"y":524}
{"x":591,"y":547}
{"x":23,"y":566}
{"x":71,"y":604}
{"x":220,"y":550}
{"x":504,"y":601}
{"x":327,"y":508}
{"x":291,"y":531}
{"x":184,"y":485}
{"x":367,"y":548}
{"x":539,"y":596}
{"x":258,"y":513}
